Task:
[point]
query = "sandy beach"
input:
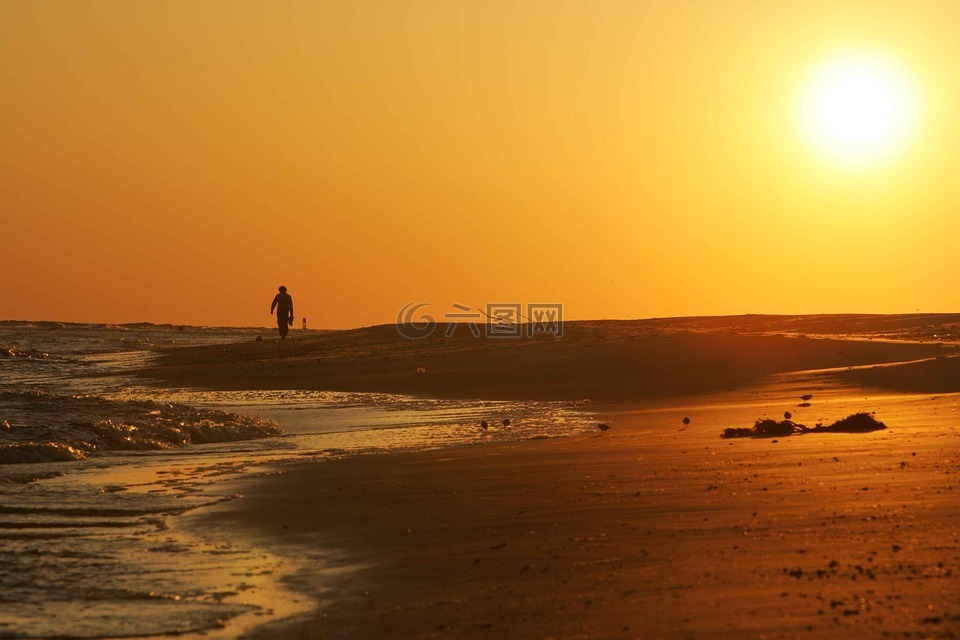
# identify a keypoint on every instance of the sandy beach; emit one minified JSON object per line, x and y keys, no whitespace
{"x":651,"y":530}
{"x":503,"y":320}
{"x":611,"y":361}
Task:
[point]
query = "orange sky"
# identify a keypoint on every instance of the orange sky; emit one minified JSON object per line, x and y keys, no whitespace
{"x":176,"y":161}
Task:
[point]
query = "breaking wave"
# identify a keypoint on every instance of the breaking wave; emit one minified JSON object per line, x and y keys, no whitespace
{"x":38,"y":426}
{"x":11,"y":351}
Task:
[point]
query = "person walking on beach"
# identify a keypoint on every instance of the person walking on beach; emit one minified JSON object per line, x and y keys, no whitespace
{"x":283,"y":303}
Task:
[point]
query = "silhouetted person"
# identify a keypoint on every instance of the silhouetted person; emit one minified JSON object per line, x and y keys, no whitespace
{"x":283,"y":303}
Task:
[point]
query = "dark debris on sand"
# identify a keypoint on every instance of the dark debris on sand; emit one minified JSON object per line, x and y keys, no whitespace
{"x":856,"y":423}
{"x":767,"y":428}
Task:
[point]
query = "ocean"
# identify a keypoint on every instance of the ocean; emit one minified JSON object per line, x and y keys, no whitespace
{"x":96,"y":466}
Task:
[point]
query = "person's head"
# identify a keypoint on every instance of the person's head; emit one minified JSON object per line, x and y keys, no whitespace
{"x":283,"y":289}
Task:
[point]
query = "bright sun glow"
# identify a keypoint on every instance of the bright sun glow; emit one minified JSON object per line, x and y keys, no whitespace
{"x":859,"y":109}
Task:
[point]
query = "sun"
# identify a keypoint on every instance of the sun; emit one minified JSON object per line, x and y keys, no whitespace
{"x":858,"y":109}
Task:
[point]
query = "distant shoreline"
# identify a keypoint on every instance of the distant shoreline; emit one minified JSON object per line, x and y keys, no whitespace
{"x":614,"y":361}
{"x":813,"y":323}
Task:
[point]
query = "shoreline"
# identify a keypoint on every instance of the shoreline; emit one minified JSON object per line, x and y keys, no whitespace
{"x":650,"y":530}
{"x":630,"y":534}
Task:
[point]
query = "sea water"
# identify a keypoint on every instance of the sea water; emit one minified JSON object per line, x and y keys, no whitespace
{"x":95,"y":467}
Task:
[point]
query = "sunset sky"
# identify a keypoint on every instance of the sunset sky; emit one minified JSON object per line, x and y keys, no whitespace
{"x":176,"y":161}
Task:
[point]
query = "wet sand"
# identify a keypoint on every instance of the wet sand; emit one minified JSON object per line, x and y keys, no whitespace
{"x":650,"y":530}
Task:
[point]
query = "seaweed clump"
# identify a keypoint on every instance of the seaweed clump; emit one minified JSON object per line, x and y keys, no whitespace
{"x":767,"y":428}
{"x":856,"y":423}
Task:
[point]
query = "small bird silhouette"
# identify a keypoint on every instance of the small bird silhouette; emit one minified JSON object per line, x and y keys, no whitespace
{"x":483,"y":424}
{"x":806,"y":396}
{"x":686,"y":422}
{"x":506,"y":422}
{"x":787,"y":415}
{"x":603,"y":427}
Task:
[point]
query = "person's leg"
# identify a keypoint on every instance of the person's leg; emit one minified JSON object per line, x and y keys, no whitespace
{"x":282,"y":325}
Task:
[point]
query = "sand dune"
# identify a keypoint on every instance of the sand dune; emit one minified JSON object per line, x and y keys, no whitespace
{"x":611,"y":360}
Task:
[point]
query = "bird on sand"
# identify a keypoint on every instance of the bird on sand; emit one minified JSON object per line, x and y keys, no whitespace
{"x":686,"y":422}
{"x":484,"y":425}
{"x":787,"y":415}
{"x":806,"y":396}
{"x":506,"y":422}
{"x":603,"y":427}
